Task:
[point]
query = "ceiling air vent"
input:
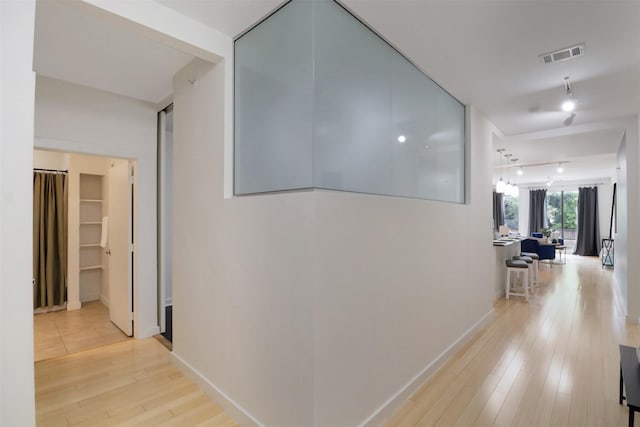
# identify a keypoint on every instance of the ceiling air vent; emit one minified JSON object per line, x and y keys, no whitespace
{"x":563,"y":54}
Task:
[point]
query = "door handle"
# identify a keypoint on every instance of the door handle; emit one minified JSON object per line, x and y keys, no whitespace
{"x":108,"y":252}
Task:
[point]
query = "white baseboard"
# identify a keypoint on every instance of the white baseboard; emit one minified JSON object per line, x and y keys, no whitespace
{"x":388,"y":408}
{"x":74,"y":305}
{"x":237,"y":412}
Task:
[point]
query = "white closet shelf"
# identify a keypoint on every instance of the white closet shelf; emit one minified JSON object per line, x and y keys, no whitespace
{"x":91,"y":267}
{"x":90,"y":245}
{"x":91,"y":223}
{"x":91,"y":200}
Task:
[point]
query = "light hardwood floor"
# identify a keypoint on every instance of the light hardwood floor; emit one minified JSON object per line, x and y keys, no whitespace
{"x":63,"y":332}
{"x":551,"y":362}
{"x":131,"y":383}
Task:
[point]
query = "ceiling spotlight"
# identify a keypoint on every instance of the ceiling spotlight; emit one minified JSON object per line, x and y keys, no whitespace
{"x":568,"y":106}
{"x":402,"y":138}
{"x":560,"y":168}
{"x":520,"y":171}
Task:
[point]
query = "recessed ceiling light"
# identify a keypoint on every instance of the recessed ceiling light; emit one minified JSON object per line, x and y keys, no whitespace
{"x":520,"y":171}
{"x":560,"y":168}
{"x":402,"y":138}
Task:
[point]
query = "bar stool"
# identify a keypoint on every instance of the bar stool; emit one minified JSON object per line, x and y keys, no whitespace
{"x":536,"y":266}
{"x":519,"y":267}
{"x":532,"y":271}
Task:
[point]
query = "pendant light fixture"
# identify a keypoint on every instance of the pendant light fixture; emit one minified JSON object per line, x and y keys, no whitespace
{"x":515,"y":191}
{"x":500,"y":185}
{"x":508,"y":187}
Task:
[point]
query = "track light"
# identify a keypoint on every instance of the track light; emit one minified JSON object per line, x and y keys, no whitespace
{"x":560,"y":168}
{"x":569,"y":105}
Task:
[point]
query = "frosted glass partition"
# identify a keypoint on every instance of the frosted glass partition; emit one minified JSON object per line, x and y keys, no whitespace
{"x":273,"y":102}
{"x":363,"y":119}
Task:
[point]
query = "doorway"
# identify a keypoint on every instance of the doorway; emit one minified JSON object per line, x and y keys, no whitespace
{"x":98,"y":288}
{"x":165,"y":222}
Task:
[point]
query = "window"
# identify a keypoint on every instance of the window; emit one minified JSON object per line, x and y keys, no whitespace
{"x":511,"y":212}
{"x":562,"y":215}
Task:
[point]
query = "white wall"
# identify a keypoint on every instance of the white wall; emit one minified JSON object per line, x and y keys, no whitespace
{"x":388,"y":300}
{"x":50,"y":160}
{"x":242,"y":270}
{"x":620,"y":273}
{"x":78,"y":119}
{"x":627,"y":243}
{"x":295,"y":305}
{"x":16,"y":194}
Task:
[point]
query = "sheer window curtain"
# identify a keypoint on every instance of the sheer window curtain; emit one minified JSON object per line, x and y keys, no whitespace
{"x":49,"y":239}
{"x":588,"y":241}
{"x":537,"y":214}
{"x":498,"y":210}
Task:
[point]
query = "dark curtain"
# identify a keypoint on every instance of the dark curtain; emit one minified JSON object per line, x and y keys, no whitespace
{"x":49,"y":239}
{"x":536,"y":210}
{"x":588,"y":241}
{"x":498,"y":210}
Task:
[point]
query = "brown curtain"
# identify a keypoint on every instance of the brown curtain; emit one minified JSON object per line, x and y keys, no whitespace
{"x":49,"y":239}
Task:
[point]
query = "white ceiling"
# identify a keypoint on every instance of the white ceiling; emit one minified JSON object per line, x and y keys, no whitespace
{"x":81,"y":48}
{"x":485,"y":53}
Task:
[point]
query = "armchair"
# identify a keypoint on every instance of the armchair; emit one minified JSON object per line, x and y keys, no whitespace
{"x":543,"y":251}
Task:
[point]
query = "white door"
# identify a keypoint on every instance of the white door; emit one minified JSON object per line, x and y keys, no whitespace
{"x":120,"y":246}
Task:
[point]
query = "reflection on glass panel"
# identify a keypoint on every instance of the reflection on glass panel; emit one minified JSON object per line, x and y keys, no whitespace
{"x":273,"y":101}
{"x":373,"y":123}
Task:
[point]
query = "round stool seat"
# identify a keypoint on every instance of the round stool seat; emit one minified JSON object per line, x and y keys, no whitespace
{"x":516,"y":263}
{"x":532,"y":255}
{"x":526,"y":259}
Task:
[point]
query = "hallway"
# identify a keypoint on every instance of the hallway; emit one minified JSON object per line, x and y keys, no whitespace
{"x":552,"y":362}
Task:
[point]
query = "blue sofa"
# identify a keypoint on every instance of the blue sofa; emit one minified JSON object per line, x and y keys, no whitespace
{"x":543,"y":251}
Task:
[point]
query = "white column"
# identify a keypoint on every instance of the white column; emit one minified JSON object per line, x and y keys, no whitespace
{"x":17,"y":91}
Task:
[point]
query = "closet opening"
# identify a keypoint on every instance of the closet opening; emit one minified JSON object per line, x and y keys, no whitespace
{"x":83,"y":213}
